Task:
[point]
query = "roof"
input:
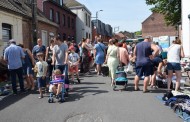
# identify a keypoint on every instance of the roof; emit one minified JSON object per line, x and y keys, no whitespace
{"x":120,"y":35}
{"x":61,"y":6}
{"x":23,"y":9}
{"x":147,"y":18}
{"x":72,"y":3}
{"x":11,"y":5}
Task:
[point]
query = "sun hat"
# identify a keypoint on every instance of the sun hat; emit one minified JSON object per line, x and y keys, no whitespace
{"x":71,"y":48}
{"x":40,"y":53}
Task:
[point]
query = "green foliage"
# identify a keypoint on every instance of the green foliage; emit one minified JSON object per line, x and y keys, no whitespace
{"x":137,"y":33}
{"x":171,"y":9}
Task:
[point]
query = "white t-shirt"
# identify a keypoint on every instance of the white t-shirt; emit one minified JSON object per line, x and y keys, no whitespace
{"x":41,"y":67}
{"x":73,"y":57}
{"x":174,"y":53}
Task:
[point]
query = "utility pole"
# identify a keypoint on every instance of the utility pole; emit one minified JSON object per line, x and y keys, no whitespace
{"x":97,"y":20}
{"x":34,"y":22}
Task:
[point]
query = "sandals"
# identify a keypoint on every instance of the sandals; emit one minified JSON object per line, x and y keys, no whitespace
{"x":137,"y":89}
{"x":146,"y":91}
{"x":153,"y":87}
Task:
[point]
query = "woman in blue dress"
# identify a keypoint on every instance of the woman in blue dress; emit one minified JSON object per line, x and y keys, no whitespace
{"x":99,"y":54}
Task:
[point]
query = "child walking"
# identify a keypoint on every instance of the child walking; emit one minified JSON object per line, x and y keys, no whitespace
{"x":73,"y":63}
{"x":41,"y":69}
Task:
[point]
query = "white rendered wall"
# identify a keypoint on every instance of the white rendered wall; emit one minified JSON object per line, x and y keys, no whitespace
{"x":16,"y":23}
{"x":186,"y":27}
{"x":81,"y":27}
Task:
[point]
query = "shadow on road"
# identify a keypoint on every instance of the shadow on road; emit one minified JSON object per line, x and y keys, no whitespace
{"x":80,"y":92}
{"x":9,"y":100}
{"x":90,"y":83}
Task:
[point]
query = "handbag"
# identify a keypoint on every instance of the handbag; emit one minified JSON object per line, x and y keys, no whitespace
{"x":101,"y":47}
{"x":129,"y":68}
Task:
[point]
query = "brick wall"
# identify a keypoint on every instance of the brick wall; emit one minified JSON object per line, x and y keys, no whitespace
{"x":27,"y":33}
{"x":46,"y":27}
{"x":155,"y":26}
{"x":63,"y":29}
{"x":40,"y":4}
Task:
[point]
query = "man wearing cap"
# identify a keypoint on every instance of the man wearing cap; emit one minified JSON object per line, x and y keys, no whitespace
{"x":143,"y":54}
{"x":14,"y":55}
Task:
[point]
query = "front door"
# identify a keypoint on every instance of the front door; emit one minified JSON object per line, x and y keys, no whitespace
{"x":44,"y":38}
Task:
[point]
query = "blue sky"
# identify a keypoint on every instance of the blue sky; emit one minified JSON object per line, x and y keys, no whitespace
{"x":127,"y":14}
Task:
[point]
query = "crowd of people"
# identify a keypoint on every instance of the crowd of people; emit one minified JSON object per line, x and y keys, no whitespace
{"x":68,"y":58}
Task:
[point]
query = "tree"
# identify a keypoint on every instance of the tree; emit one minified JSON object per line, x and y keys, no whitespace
{"x":138,"y":33}
{"x":171,"y":9}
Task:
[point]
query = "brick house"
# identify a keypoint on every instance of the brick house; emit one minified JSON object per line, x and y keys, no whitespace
{"x":83,"y":19}
{"x":16,"y":23}
{"x":57,"y":12}
{"x":101,"y":29}
{"x":155,"y":26}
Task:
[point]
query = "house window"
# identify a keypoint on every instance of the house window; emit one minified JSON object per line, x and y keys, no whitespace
{"x":6,"y":32}
{"x":57,"y":17}
{"x":73,"y":23}
{"x":86,"y":20}
{"x":89,"y":36}
{"x":86,"y":35}
{"x":64,"y":36}
{"x":51,"y":15}
{"x":63,"y":20}
{"x":68,"y":21}
{"x":69,"y":38}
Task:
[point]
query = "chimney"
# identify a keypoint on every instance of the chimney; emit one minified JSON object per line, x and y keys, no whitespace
{"x":40,"y":4}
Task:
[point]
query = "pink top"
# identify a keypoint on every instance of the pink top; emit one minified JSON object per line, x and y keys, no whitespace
{"x":58,"y":77}
{"x":123,"y":54}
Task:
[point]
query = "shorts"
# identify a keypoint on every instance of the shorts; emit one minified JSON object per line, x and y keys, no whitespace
{"x":73,"y":69}
{"x":41,"y":82}
{"x":27,"y":70}
{"x":146,"y":70}
{"x":173,"y":66}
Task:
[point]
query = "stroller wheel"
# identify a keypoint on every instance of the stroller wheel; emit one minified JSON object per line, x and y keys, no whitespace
{"x":62,"y":100}
{"x":50,"y":100}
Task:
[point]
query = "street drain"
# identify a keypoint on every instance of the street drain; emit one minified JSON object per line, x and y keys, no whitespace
{"x":84,"y":117}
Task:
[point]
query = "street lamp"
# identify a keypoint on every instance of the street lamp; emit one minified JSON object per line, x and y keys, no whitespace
{"x":97,"y":18}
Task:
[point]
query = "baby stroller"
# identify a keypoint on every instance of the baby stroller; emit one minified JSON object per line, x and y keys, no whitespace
{"x":121,"y":78}
{"x":55,"y":83}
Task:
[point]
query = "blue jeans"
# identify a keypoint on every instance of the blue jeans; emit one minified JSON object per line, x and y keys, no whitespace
{"x":63,"y":69}
{"x":19,"y":73}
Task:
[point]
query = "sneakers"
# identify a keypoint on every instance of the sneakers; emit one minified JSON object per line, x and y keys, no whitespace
{"x":23,"y":91}
{"x":15,"y":93}
{"x":40,"y":97}
{"x":78,"y":80}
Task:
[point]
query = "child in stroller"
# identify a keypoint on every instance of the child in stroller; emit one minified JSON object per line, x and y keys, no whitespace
{"x":57,"y":87}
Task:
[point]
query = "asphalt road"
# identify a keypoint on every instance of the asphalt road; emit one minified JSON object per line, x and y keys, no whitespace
{"x":91,"y":101}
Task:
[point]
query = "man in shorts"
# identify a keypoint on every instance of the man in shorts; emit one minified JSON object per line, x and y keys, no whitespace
{"x":143,"y":54}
